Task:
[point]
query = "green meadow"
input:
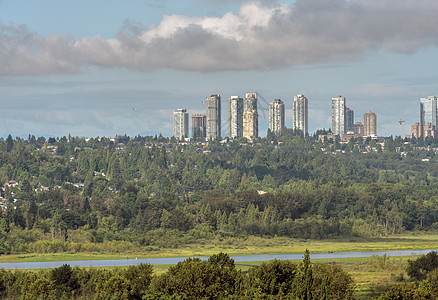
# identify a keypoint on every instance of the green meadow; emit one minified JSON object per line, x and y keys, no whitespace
{"x":249,"y":246}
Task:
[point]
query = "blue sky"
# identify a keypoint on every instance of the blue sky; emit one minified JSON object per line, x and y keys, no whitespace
{"x":80,"y":67}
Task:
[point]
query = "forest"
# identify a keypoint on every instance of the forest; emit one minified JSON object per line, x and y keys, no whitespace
{"x":73,"y":194}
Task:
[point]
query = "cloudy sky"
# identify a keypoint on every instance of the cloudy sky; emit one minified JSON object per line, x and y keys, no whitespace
{"x":108,"y":67}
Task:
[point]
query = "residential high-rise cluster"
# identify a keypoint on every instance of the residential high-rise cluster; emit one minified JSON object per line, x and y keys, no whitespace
{"x":242,"y":118}
{"x":343,"y":121}
{"x":428,"y":118}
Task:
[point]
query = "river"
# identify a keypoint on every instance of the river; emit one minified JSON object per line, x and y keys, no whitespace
{"x":175,"y":260}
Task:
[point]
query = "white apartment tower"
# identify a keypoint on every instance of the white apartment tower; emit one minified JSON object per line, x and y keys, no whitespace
{"x":276,"y":116}
{"x":250,"y":116}
{"x":300,"y":114}
{"x":213,"y":117}
{"x":180,"y":123}
{"x":235,"y":117}
{"x":338,"y":115}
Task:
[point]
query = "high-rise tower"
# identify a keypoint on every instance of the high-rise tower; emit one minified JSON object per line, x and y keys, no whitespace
{"x":250,"y":116}
{"x":198,"y":127}
{"x":338,"y":115}
{"x":300,"y":114}
{"x":180,"y":123}
{"x":213,"y":117}
{"x":370,"y":124}
{"x":235,"y":117}
{"x":428,"y":111}
{"x":276,"y":116}
{"x":349,"y":117}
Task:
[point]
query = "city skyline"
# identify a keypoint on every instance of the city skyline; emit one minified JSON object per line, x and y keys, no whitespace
{"x":121,"y":67}
{"x":243,"y":117}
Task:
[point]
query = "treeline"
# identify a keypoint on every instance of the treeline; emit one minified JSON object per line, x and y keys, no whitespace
{"x":73,"y":194}
{"x":215,"y":278}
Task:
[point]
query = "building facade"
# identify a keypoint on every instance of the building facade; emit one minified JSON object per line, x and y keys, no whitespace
{"x":418,"y":130}
{"x":428,"y":111}
{"x":338,"y":115}
{"x":300,"y":114}
{"x":235,"y":117}
{"x":370,"y":124}
{"x":199,"y":127}
{"x":180,"y":124}
{"x":213,"y":117}
{"x":250,"y":116}
{"x":349,"y":119}
{"x":276,"y":116}
{"x":357,"y":128}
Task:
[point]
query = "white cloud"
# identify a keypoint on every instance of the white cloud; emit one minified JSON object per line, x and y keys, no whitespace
{"x":263,"y":35}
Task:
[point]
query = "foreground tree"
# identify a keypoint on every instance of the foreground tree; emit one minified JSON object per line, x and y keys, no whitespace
{"x":419,"y":268}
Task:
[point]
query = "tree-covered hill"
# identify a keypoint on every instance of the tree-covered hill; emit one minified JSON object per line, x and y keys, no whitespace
{"x":77,"y":194}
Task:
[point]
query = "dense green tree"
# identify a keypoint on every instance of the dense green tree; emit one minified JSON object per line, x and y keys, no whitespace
{"x":420,"y":267}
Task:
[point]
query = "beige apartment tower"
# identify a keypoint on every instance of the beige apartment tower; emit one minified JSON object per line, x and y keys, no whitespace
{"x":370,"y":124}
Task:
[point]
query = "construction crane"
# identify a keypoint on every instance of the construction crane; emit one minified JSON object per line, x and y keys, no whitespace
{"x":401,"y":122}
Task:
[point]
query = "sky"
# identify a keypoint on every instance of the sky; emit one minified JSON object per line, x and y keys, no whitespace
{"x":114,"y":67}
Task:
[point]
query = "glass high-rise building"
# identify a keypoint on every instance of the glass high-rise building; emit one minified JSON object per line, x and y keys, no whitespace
{"x":198,"y":127}
{"x":213,"y":117}
{"x":349,"y":117}
{"x":428,"y":111}
{"x":250,"y":116}
{"x":180,"y":124}
{"x":300,"y":114}
{"x":276,"y":116}
{"x":338,"y":115}
{"x":235,"y":117}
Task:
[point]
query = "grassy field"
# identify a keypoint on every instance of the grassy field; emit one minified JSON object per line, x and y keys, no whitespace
{"x":251,"y":245}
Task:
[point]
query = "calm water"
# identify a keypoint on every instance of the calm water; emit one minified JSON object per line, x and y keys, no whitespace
{"x":175,"y":260}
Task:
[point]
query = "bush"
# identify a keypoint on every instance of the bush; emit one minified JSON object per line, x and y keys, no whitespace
{"x":419,"y":268}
